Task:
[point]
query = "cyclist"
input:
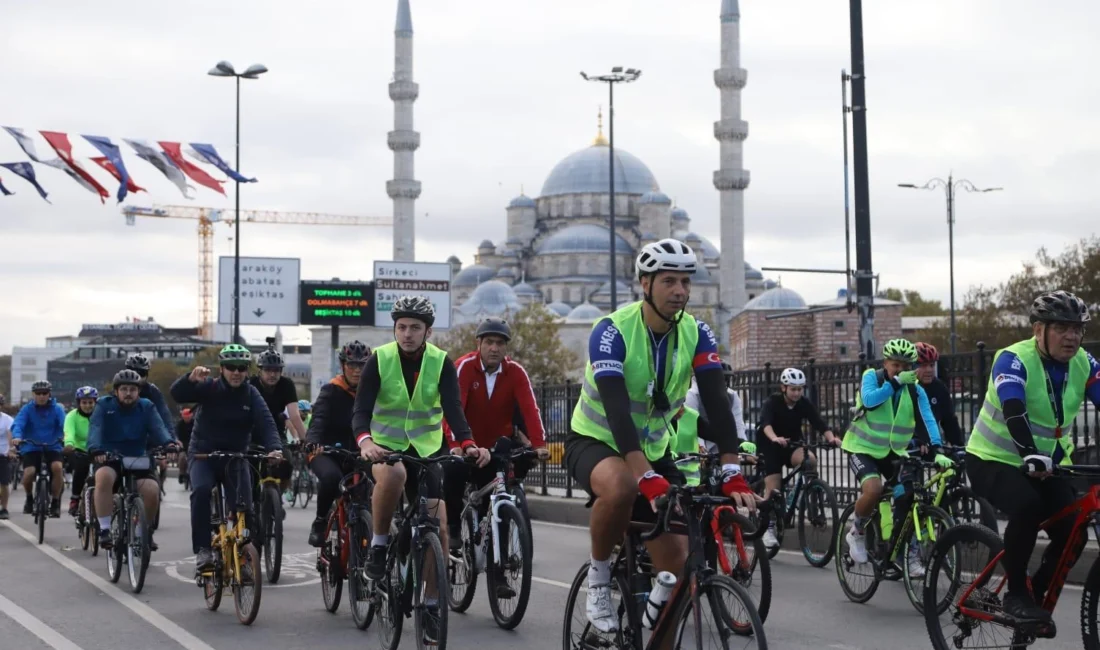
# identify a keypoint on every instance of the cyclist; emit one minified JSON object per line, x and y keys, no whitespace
{"x":183,"y":435}
{"x":493,"y":388}
{"x":331,"y":427}
{"x":231,"y":409}
{"x":407,"y":387}
{"x":306,"y":409}
{"x":641,"y":358}
{"x":76,"y":439}
{"x":5,"y":462}
{"x":939,"y":397}
{"x":37,"y":432}
{"x":127,"y":425}
{"x":887,"y":408}
{"x":1035,"y":392}
{"x":279,"y":393}
{"x":781,"y":418}
{"x":140,"y":364}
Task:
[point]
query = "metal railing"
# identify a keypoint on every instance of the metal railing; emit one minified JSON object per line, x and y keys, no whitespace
{"x":833,"y":388}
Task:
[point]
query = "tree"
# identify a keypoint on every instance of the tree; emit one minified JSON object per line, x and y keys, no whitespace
{"x":915,"y":305}
{"x":5,"y":378}
{"x":981,"y":318}
{"x":1076,"y":269}
{"x":163,"y":372}
{"x":535,"y":343}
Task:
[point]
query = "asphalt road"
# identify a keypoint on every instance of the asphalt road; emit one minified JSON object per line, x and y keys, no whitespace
{"x":57,"y":596}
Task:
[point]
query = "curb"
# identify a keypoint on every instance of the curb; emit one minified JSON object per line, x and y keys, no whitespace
{"x":565,"y":510}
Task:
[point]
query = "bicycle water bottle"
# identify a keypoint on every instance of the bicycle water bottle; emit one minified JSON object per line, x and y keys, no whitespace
{"x":886,"y":517}
{"x":662,"y":589}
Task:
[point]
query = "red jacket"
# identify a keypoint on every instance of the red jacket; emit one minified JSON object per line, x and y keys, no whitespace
{"x":490,"y":418}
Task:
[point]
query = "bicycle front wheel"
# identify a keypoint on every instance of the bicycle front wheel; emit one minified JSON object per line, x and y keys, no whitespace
{"x":508,"y":580}
{"x":137,"y":544}
{"x":817,"y":516}
{"x":931,"y":524}
{"x":247,"y":586}
{"x":579,"y":634}
{"x":271,"y":518}
{"x":725,"y":618}
{"x":749,"y":563}
{"x":430,"y":621}
{"x":118,"y":538}
{"x":965,"y":506}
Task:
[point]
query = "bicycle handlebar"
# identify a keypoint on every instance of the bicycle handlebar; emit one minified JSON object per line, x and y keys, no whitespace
{"x":230,"y":454}
{"x":394,"y":458}
{"x":683,"y":497}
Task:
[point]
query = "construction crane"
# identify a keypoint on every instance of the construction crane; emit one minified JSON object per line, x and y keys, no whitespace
{"x":207,"y":217}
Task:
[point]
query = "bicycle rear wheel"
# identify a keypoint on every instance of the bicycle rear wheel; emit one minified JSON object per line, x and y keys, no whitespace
{"x":389,"y":593}
{"x":247,"y":590}
{"x":212,"y":584}
{"x":137,"y":544}
{"x":462,"y":573}
{"x":751,"y":570}
{"x":725,"y":609}
{"x":965,"y":506}
{"x":817,"y":516}
{"x":328,"y":562}
{"x":271,"y":519}
{"x":42,"y":507}
{"x":430,"y":622}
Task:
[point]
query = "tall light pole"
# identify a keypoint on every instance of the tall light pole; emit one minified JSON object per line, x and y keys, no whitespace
{"x":225,"y":69}
{"x":618,"y":75}
{"x":950,"y":186}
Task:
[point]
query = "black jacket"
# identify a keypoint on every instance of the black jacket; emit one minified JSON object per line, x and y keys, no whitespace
{"x":331,"y":423}
{"x":227,"y":417}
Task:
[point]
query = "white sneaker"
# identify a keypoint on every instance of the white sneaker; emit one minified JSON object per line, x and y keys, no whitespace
{"x":601,"y":613}
{"x":769,"y":539}
{"x":857,"y":546}
{"x":916,"y":567}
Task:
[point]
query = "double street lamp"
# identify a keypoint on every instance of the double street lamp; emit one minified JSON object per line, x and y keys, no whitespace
{"x":225,"y":69}
{"x":617,"y":75}
{"x":950,"y":186}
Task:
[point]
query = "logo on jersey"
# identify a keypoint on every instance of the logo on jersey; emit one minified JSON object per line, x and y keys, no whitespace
{"x":609,"y":365}
{"x":607,"y":337}
{"x":935,"y":401}
{"x":476,"y":384}
{"x":1016,"y":365}
{"x":1000,"y":379}
{"x":714,"y":358}
{"x":709,"y":332}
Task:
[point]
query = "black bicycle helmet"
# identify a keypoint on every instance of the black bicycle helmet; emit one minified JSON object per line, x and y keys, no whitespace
{"x":497,"y":326}
{"x":418,"y":307}
{"x":1059,"y":307}
{"x":126,"y":377}
{"x":137,"y":361}
{"x":40,"y":386}
{"x":355,"y":351}
{"x":270,"y":359}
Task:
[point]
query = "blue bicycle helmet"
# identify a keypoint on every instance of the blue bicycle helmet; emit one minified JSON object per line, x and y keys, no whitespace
{"x":86,"y":392}
{"x":304,"y":406}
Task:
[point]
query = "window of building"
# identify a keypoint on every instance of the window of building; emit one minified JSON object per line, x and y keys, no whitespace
{"x":29,"y":361}
{"x":839,"y":324}
{"x":28,"y":376}
{"x":842,"y":351}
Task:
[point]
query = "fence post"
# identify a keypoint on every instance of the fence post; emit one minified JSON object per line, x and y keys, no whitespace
{"x":543,"y":476}
{"x":767,"y":377}
{"x":811,"y":381}
{"x":568,"y":400}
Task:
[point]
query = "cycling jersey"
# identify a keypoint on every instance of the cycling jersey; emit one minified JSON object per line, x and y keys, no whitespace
{"x":693,"y":400}
{"x":126,"y":430}
{"x":331,"y":425}
{"x":607,"y":349}
{"x":227,"y":417}
{"x":786,"y":420}
{"x":76,"y":429}
{"x":41,"y":428}
{"x":490,"y":416}
{"x":153,"y":394}
{"x":943,"y":410}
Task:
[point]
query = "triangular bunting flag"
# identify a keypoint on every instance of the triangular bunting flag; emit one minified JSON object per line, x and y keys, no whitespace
{"x":207,"y":153}
{"x":114,"y":157}
{"x":174,"y":153}
{"x":60,"y":143}
{"x":163,"y":165}
{"x":25,"y":171}
{"x":103,"y":162}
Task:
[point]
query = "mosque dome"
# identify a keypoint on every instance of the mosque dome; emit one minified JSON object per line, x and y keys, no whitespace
{"x":491,"y":297}
{"x":702,"y":275}
{"x":522,"y":201}
{"x":524,"y":289}
{"x":472,"y":275}
{"x":777,"y":298}
{"x":586,"y":172}
{"x":583,"y":238}
{"x":585,"y":312}
{"x":560,"y":308}
{"x":485,"y":244}
{"x":678,"y":214}
{"x":753,"y":274}
{"x":506,"y":272}
{"x":621,"y":289}
{"x":655,"y":196}
{"x":706,"y":247}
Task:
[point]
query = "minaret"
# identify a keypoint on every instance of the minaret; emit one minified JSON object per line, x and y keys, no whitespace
{"x":403,"y":140}
{"x":731,"y":179}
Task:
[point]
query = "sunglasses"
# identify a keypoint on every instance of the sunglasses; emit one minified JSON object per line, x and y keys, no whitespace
{"x":235,"y":367}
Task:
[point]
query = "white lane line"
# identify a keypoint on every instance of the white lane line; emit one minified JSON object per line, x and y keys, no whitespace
{"x":35,"y":626}
{"x":552,"y":583}
{"x":181,"y":636}
{"x":557,"y":525}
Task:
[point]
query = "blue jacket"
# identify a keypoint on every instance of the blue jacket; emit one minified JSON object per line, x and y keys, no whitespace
{"x":126,"y":431}
{"x":153,"y":394}
{"x":41,"y":428}
{"x":227,"y":415}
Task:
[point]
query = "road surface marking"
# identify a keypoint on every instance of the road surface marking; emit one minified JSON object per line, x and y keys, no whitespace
{"x":181,"y":636}
{"x":35,"y":626}
{"x":552,"y":583}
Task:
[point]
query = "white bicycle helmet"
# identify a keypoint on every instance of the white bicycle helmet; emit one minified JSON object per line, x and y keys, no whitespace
{"x":665,"y":255}
{"x":792,"y":377}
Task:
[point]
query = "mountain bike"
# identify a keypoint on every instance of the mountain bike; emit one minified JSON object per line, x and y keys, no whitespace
{"x":698,"y":591}
{"x":805,"y":493}
{"x":87,"y":525}
{"x":236,"y":561}
{"x":302,"y":482}
{"x":967,"y":582}
{"x":130,"y":529}
{"x":497,"y":543}
{"x":955,"y":496}
{"x":42,"y":494}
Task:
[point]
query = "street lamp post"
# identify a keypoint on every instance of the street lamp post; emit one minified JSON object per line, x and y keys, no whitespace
{"x":618,"y":75}
{"x":950,"y":186}
{"x":225,"y":69}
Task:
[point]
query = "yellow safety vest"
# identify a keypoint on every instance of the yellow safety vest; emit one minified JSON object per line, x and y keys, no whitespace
{"x":399,"y":420}
{"x":878,"y":431}
{"x":686,"y":441}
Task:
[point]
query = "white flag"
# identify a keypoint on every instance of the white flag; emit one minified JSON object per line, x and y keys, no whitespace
{"x":163,"y":164}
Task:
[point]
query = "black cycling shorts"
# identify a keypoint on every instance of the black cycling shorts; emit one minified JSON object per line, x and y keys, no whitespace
{"x":583,"y":453}
{"x":5,"y":470}
{"x":776,"y":457}
{"x":412,"y":475}
{"x":138,"y":475}
{"x":865,"y":466}
{"x":32,"y":458}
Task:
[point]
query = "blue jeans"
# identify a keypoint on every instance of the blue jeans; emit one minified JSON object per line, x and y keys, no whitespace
{"x":203,"y":474}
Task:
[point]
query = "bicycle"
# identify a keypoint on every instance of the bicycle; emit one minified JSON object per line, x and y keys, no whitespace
{"x":236,"y":561}
{"x":42,"y":495}
{"x":269,"y":537}
{"x":490,"y":545}
{"x":87,"y":525}
{"x":922,"y":526}
{"x":348,"y":534}
{"x":402,"y":591}
{"x":302,"y":481}
{"x":956,"y":497}
{"x":980,"y":601}
{"x":814,"y":502}
{"x":130,"y":526}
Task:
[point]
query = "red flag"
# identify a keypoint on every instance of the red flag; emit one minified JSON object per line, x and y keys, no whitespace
{"x":172,"y":150}
{"x":60,"y":143}
{"x":110,"y":167}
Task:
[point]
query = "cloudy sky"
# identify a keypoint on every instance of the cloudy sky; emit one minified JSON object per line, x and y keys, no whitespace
{"x":1000,"y":91}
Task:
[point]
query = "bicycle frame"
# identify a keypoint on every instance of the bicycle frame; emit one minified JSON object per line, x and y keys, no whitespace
{"x":497,"y":491}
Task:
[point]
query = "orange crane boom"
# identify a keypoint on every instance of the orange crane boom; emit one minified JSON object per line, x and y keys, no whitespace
{"x":207,"y":217}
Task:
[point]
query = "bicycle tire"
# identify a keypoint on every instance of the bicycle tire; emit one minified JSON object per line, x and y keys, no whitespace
{"x":746,"y":575}
{"x":1090,"y":598}
{"x":625,"y":638}
{"x":430,"y":541}
{"x":462,"y":591}
{"x":118,"y":525}
{"x":508,"y":511}
{"x":359,"y":540}
{"x":212,"y":585}
{"x":831,"y":514}
{"x":91,"y":520}
{"x":841,"y":559}
{"x":246,"y":614}
{"x":328,"y":563}
{"x":960,"y":504}
{"x":137,"y":544}
{"x":760,"y":524}
{"x":272,"y":523}
{"x":753,"y":627}
{"x":391,"y":613}
{"x":41,"y":507}
{"x":521,"y":502}
{"x":914,"y":587}
{"x":83,"y":525}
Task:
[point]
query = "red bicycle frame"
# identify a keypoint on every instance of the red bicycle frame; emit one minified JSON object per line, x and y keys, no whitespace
{"x":341,"y":516}
{"x":739,"y":542}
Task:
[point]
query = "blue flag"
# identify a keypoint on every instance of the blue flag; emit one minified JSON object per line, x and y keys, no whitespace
{"x":26,"y":172}
{"x":112,"y":153}
{"x":5,"y":190}
{"x":211,"y":156}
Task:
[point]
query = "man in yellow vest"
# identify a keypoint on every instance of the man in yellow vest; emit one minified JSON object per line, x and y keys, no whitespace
{"x":887,"y":407}
{"x":641,"y":359}
{"x":404,"y":391}
{"x":1035,"y":393}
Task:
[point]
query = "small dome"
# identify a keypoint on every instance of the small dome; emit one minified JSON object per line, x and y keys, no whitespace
{"x":585,"y":312}
{"x":485,"y":244}
{"x":522,"y":201}
{"x":491,"y":297}
{"x":777,"y":298}
{"x":472,"y":275}
{"x":524,"y":289}
{"x":655,"y":196}
{"x":751,"y":273}
{"x":506,"y":272}
{"x":709,"y":250}
{"x":622,"y":289}
{"x":678,"y":214}
{"x":584,"y":238}
{"x":586,"y":172}
{"x":770,"y":284}
{"x":703,"y":275}
{"x":560,"y":308}
{"x":453,"y":259}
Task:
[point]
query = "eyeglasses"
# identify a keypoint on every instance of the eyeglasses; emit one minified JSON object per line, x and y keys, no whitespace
{"x":235,"y":367}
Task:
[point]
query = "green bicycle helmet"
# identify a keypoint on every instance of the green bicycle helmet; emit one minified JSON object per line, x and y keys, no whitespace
{"x":234,"y":352}
{"x":900,"y":350}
